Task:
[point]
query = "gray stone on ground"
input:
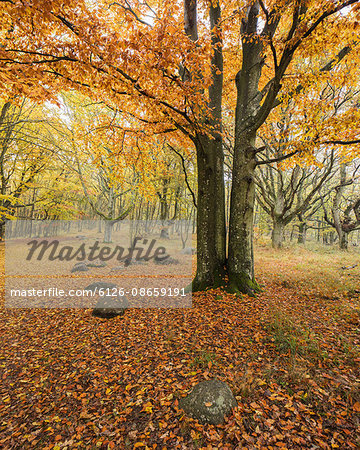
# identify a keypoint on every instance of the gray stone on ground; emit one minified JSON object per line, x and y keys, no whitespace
{"x":188,"y":251}
{"x":164,"y":233}
{"x":132,"y":263}
{"x":138,"y":262}
{"x":117,"y":268}
{"x":166,"y":262}
{"x":96,"y":263}
{"x":80,"y":236}
{"x":109,"y":307}
{"x":80,"y":267}
{"x":209,"y":402}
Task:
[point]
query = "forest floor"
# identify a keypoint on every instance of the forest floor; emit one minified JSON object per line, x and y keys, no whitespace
{"x":291,"y":357}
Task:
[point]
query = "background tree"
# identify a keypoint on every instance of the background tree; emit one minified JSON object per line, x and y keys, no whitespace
{"x":24,"y":155}
{"x":345,"y":210}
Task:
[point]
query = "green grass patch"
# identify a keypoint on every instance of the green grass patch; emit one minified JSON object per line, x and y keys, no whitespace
{"x":291,"y":339}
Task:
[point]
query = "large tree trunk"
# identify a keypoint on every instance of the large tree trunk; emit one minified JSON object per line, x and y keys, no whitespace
{"x":215,"y":103}
{"x":277,"y":236}
{"x":344,"y":240}
{"x":108,"y":231}
{"x":210,"y":204}
{"x":241,"y":255}
{"x":211,"y":231}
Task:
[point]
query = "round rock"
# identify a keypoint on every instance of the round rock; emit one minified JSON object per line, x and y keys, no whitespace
{"x":80,"y":267}
{"x":209,"y":402}
{"x":166,"y":262}
{"x":96,"y":263}
{"x":117,"y":268}
{"x":137,"y":262}
{"x":188,"y":251}
{"x":109,"y":307}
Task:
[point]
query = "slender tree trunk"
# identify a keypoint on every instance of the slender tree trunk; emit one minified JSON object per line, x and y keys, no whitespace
{"x":2,"y":230}
{"x":302,"y":233}
{"x":108,"y":226}
{"x":164,"y":209}
{"x":343,"y":238}
{"x":332,"y":238}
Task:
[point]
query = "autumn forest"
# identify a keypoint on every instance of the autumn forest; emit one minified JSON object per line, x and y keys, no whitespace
{"x":229,"y":129}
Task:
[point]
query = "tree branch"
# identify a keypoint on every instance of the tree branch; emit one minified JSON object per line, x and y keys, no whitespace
{"x":356,"y":141}
{"x":281,"y":158}
{"x":185,"y":173}
{"x":341,"y":55}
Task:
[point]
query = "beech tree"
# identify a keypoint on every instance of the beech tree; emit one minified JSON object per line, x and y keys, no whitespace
{"x":167,"y":76}
{"x":288,"y":194}
{"x":23,"y":156}
{"x":293,"y":189}
{"x":345,"y":209}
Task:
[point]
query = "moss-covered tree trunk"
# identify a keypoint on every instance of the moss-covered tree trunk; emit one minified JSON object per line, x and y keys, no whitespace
{"x":210,"y":206}
{"x":253,"y":107}
{"x":211,"y":231}
{"x":241,"y":256}
{"x":344,"y":241}
{"x":302,"y":233}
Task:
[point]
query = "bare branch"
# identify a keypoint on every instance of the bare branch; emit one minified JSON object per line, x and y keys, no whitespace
{"x":281,"y":158}
{"x":130,"y":10}
{"x":185,"y":173}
